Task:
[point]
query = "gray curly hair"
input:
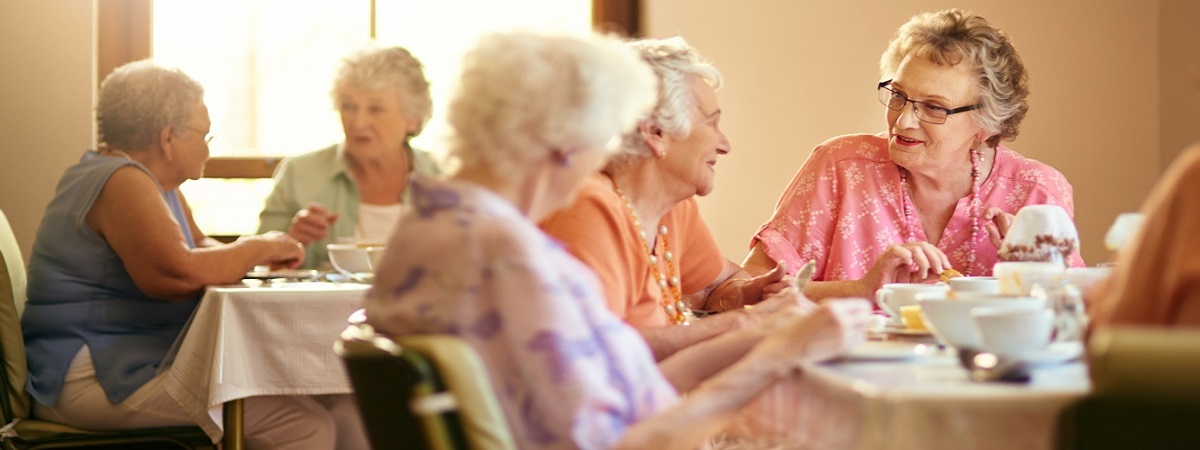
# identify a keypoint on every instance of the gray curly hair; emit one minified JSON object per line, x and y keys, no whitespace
{"x":674,"y":63}
{"x":137,"y":100}
{"x":952,"y":36}
{"x":388,"y":69}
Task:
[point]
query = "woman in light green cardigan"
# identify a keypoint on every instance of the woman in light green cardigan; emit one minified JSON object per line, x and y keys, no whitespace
{"x":354,"y":190}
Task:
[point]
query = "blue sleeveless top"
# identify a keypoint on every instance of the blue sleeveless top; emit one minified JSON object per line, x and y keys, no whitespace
{"x":79,"y":293}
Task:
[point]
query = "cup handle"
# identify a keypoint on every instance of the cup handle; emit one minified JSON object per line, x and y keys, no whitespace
{"x":881,"y":299}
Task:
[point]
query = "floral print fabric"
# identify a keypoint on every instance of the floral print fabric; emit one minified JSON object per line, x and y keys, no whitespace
{"x":843,"y":209}
{"x":464,"y":261}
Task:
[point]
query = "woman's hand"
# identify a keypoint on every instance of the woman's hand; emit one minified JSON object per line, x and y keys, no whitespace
{"x":911,"y":262}
{"x":998,"y":223}
{"x":756,"y":289}
{"x":278,"y":249}
{"x":786,"y":299}
{"x":311,"y":223}
{"x":814,"y":336}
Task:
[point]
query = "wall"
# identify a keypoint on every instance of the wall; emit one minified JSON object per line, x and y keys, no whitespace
{"x":1179,"y":77}
{"x":800,"y":72}
{"x":45,"y":102}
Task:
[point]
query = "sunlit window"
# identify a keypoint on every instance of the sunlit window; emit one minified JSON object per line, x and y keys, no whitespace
{"x":267,"y":67}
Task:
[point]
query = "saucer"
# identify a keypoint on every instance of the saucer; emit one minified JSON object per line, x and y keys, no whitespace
{"x":293,"y":274}
{"x":885,"y":350}
{"x":905,"y":331}
{"x":1057,"y":352}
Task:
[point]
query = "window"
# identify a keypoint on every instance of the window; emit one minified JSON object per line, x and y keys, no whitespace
{"x":268,"y":75}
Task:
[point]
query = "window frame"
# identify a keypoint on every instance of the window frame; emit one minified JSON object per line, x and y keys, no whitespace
{"x":125,"y":33}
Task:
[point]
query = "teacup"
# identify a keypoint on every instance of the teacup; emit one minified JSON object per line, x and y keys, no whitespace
{"x":1085,"y":278}
{"x":893,"y":296}
{"x":950,"y":320}
{"x":1019,"y":277}
{"x":983,"y":285}
{"x":1012,"y":330}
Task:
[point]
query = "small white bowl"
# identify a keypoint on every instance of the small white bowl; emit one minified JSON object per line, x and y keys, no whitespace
{"x":985,"y":285}
{"x":1019,"y":277}
{"x":354,"y":259}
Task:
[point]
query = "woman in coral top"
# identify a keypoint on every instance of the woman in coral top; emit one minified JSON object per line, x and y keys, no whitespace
{"x":937,"y":191}
{"x":637,"y":224}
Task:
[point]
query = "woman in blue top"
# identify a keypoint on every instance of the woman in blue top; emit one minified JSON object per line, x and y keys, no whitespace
{"x":118,"y":266}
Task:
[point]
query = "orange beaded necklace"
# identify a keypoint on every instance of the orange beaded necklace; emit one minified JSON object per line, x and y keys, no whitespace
{"x":672,"y":299}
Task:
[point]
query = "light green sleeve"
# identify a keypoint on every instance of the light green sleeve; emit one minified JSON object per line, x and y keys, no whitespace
{"x":281,"y":204}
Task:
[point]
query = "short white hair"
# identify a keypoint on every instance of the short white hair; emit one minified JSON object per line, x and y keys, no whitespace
{"x":523,"y":94}
{"x":389,"y":69}
{"x":675,"y":63}
{"x":137,"y":100}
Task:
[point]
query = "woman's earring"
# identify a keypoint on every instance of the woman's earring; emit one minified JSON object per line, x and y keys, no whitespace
{"x":562,"y":158}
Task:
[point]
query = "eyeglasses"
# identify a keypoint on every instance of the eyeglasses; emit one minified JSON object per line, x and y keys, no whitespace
{"x":896,"y":101}
{"x":208,"y":137}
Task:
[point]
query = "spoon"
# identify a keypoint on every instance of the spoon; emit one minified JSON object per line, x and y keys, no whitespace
{"x":987,"y":367}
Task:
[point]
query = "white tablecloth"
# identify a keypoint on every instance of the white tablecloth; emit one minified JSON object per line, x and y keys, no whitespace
{"x":927,"y":403}
{"x":271,"y":340}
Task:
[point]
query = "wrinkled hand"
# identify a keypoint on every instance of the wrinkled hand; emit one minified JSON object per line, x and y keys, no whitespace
{"x":755,"y":289}
{"x":998,"y":223}
{"x":311,"y":223}
{"x":911,"y":262}
{"x":280,"y":250}
{"x":824,"y":333}
{"x":786,"y":299}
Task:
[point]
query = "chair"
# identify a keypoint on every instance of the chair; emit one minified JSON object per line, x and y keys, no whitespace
{"x":432,"y":390}
{"x":1145,"y":391}
{"x":21,"y":432}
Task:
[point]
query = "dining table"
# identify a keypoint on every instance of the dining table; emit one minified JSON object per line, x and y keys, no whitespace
{"x":272,"y":337}
{"x":910,"y":394}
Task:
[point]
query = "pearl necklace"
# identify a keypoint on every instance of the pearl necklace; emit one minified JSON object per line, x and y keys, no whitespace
{"x":974,"y":208}
{"x":117,"y":152}
{"x":672,"y":299}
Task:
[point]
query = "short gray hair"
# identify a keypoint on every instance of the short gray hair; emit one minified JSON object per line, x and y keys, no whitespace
{"x":137,"y":100}
{"x":523,"y":94}
{"x":675,"y":63}
{"x":954,"y":36}
{"x":388,"y":69}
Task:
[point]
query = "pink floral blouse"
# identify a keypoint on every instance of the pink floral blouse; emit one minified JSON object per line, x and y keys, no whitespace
{"x":843,"y":209}
{"x":567,"y":372}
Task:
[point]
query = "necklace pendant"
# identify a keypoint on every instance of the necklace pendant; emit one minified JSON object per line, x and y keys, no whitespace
{"x":662,"y":284}
{"x":674,"y":281}
{"x":669,"y":256}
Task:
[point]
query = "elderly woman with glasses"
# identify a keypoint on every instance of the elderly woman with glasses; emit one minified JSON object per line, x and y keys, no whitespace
{"x":937,"y":191}
{"x":354,"y":190}
{"x":119,"y":266}
{"x":532,"y":118}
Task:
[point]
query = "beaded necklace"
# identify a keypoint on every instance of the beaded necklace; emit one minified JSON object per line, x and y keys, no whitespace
{"x":672,"y":299}
{"x":974,"y":208}
{"x":120,"y":153}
